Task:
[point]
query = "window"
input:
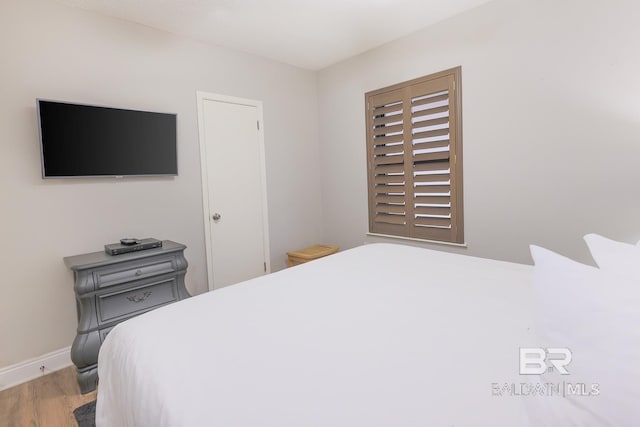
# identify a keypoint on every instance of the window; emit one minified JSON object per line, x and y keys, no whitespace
{"x":414,"y":158}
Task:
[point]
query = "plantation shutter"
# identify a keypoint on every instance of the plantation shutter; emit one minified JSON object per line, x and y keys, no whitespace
{"x":414,"y":158}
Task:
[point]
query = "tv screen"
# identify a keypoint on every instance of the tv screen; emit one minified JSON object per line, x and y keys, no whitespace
{"x":92,"y":141}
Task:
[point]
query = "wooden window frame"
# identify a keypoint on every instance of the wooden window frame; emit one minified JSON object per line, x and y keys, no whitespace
{"x":404,"y":158}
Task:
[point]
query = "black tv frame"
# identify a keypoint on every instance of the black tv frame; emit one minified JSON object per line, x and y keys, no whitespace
{"x":42,"y":160}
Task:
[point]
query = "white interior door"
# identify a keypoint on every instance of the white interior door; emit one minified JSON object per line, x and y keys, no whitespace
{"x":234,"y":189}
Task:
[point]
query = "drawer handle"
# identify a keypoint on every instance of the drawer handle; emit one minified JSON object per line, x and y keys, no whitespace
{"x":138,"y":272}
{"x":137,"y":299}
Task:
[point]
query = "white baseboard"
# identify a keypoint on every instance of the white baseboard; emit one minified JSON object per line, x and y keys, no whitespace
{"x":30,"y":369}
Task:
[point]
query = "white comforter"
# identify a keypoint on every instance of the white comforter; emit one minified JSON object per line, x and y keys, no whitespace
{"x":380,"y":335}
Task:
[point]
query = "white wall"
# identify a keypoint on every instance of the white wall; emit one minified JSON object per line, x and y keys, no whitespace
{"x":551,"y":116}
{"x":56,"y":52}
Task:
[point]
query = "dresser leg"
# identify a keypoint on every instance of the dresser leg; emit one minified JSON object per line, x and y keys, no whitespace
{"x":87,"y":379}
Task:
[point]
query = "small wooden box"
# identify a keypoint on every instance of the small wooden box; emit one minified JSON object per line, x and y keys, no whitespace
{"x":308,"y":254}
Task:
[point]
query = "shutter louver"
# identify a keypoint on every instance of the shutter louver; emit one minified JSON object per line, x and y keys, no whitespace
{"x":413,"y":142}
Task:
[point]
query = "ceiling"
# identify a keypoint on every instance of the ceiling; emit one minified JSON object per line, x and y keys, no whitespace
{"x":310,"y":34}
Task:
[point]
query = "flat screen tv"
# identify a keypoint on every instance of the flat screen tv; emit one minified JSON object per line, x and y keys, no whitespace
{"x":92,"y":141}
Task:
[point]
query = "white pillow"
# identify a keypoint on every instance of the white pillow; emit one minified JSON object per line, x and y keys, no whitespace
{"x":618,"y":257}
{"x":596,"y":315}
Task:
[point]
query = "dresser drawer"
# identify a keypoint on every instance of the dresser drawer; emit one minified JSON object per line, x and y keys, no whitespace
{"x":119,"y":305}
{"x":129,"y":272}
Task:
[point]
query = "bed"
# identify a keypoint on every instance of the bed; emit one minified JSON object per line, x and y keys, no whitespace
{"x":379,"y":335}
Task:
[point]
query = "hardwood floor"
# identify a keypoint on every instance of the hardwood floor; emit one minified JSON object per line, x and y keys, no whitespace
{"x":47,"y":401}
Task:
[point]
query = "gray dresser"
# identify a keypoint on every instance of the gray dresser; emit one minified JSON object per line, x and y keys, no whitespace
{"x":110,"y":289}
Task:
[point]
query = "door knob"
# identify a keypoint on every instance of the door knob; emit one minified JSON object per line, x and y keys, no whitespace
{"x":216,"y":216}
